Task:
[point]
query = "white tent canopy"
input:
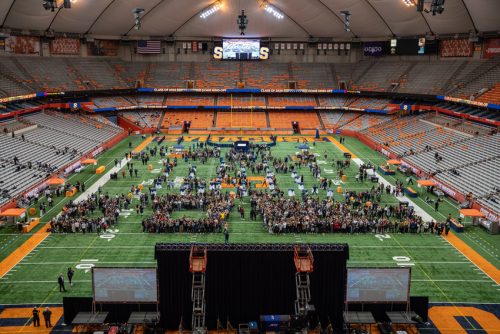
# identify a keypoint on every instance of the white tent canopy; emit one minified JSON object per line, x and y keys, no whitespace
{"x":302,"y":18}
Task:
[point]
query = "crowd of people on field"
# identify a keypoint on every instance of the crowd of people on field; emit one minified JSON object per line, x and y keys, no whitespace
{"x":78,"y":217}
{"x":216,"y":204}
{"x":360,"y":213}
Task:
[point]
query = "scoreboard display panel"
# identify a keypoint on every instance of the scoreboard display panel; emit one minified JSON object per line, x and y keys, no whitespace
{"x":241,"y":49}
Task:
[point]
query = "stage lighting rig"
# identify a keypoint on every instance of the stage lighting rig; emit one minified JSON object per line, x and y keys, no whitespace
{"x":242,"y":22}
{"x":347,"y":19}
{"x":435,"y":6}
{"x":52,"y":5}
{"x":49,"y":5}
{"x":137,"y":17}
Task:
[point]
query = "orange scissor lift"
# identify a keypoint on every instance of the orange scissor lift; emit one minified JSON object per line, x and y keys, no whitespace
{"x":304,"y":263}
{"x":198,"y":266}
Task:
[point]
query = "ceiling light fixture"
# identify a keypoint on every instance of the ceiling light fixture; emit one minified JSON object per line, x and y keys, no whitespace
{"x":211,"y":10}
{"x":273,"y":11}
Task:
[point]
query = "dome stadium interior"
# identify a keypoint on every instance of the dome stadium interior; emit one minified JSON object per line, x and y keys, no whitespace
{"x":249,"y":166}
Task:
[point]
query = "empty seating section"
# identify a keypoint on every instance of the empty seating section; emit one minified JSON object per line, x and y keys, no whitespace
{"x":367,"y":103}
{"x":14,"y":181}
{"x":189,"y":100}
{"x":283,"y":119}
{"x":72,"y":125}
{"x":335,"y":102}
{"x":99,"y":73}
{"x":331,"y":118}
{"x":429,"y":77}
{"x":144,"y":119}
{"x":101,"y":119}
{"x":343,"y":73}
{"x":241,"y":119}
{"x":12,"y":125}
{"x":109,"y":102}
{"x":290,"y":100}
{"x":411,"y":134}
{"x":381,"y":75}
{"x":130,"y":72}
{"x":480,"y":178}
{"x":215,"y":74}
{"x":459,"y":154}
{"x":266,"y":75}
{"x":150,"y":100}
{"x":46,"y":145}
{"x":51,"y":74}
{"x":462,"y":78}
{"x":365,"y":121}
{"x":199,"y":119}
{"x":241,"y":101}
{"x":335,"y":121}
{"x":314,"y":76}
{"x":479,"y":79}
{"x":492,"y":96}
{"x":168,"y":75}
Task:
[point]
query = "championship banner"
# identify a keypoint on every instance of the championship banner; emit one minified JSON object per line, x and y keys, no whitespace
{"x":22,"y":44}
{"x":194,"y":46}
{"x":375,"y":49}
{"x":107,"y":48}
{"x":456,"y":48}
{"x":491,"y":48}
{"x":65,"y":46}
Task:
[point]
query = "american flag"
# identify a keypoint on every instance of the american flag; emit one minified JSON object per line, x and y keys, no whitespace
{"x":148,"y":47}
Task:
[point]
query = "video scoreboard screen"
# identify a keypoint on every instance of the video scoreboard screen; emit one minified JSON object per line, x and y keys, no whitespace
{"x":241,"y":49}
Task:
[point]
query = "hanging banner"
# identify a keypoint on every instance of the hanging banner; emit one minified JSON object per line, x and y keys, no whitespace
{"x":22,"y":44}
{"x":107,"y":48}
{"x":456,"y":48}
{"x":491,"y":48}
{"x":65,"y":46}
{"x":375,"y":49}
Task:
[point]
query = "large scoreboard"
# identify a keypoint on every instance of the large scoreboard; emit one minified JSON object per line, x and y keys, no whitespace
{"x":241,"y":49}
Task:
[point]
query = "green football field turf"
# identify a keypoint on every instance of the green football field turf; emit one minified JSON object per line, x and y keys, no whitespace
{"x":438,"y":271}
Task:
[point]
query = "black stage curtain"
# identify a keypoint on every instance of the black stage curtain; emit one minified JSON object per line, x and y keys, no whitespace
{"x":246,"y":281}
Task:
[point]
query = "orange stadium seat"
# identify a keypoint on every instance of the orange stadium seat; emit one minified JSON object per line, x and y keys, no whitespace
{"x":241,"y":119}
{"x":283,"y":119}
{"x":198,"y":119}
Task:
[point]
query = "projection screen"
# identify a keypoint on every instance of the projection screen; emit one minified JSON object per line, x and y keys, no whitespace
{"x":378,"y":285}
{"x":124,"y":285}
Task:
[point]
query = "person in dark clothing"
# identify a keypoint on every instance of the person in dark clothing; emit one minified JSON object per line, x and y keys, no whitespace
{"x":36,"y":317}
{"x":226,"y":236}
{"x":70,"y":275}
{"x":60,"y":281}
{"x":436,"y":205}
{"x":47,"y":313}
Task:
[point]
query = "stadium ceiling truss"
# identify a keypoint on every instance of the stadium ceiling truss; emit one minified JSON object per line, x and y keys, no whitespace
{"x":303,"y":18}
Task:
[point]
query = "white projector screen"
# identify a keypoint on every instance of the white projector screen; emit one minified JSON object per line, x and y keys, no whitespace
{"x":241,"y":49}
{"x":378,"y":285}
{"x":124,"y":285}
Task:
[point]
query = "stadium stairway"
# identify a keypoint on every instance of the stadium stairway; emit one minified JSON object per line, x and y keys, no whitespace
{"x":320,"y":119}
{"x":268,"y":121}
